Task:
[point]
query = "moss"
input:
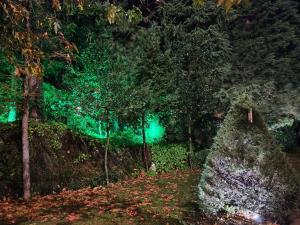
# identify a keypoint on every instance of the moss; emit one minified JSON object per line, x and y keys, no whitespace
{"x":246,"y":169}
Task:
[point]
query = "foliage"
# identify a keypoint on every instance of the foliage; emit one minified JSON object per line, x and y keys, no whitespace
{"x":10,"y":87}
{"x":10,"y":161}
{"x":54,"y":103}
{"x":199,"y":157}
{"x":99,"y":89}
{"x":266,"y":43}
{"x":266,"y":40}
{"x":150,"y":87}
{"x":82,"y":157}
{"x":168,"y":157}
{"x":51,"y":133}
{"x":246,"y":168}
{"x":199,"y":49}
{"x":284,"y":131}
{"x":227,"y":4}
{"x":59,"y":159}
{"x":117,"y":15}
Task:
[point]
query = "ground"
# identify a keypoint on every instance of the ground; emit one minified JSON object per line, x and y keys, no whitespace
{"x":166,"y":199}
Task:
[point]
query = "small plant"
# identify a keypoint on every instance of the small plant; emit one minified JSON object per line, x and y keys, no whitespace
{"x":51,"y":133}
{"x":82,"y":157}
{"x":169,"y":157}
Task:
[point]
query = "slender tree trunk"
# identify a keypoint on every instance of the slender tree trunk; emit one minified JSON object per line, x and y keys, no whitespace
{"x":25,"y":122}
{"x":145,"y":147}
{"x":35,"y":97}
{"x":25,"y":139}
{"x":190,"y":142}
{"x":107,"y":147}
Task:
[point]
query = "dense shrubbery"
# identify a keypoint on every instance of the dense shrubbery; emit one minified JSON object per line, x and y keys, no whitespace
{"x":169,"y":157}
{"x":246,"y":170}
{"x":10,"y":160}
{"x":59,"y":159}
{"x":284,"y":132}
{"x":199,"y":157}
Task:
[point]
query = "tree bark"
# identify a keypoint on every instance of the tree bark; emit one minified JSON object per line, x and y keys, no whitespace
{"x":25,"y":122}
{"x":25,"y":140}
{"x":35,"y":97}
{"x":106,"y":148}
{"x":190,"y":142}
{"x":145,"y":147}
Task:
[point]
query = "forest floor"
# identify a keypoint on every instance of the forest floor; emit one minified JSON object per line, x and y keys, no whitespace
{"x":169,"y":198}
{"x":166,"y":199}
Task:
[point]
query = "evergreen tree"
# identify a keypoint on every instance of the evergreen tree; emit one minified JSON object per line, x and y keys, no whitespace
{"x":151,"y":86}
{"x":200,"y":49}
{"x":246,"y":172}
{"x":266,"y":43}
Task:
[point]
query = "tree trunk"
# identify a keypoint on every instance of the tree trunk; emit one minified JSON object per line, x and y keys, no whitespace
{"x":25,"y":140}
{"x":28,"y":82}
{"x":145,"y":147}
{"x":190,"y":142}
{"x":106,"y":148}
{"x":35,"y":84}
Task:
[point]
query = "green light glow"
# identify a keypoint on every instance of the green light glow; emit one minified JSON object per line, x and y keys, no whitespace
{"x":3,"y":118}
{"x":12,"y":115}
{"x":154,"y":131}
{"x":96,"y":128}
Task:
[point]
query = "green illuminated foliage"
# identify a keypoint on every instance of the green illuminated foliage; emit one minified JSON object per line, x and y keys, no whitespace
{"x":54,"y":104}
{"x":99,"y":88}
{"x":154,"y":131}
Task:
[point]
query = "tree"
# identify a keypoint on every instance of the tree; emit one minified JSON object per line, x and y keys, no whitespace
{"x":227,"y":4}
{"x":246,"y":172}
{"x":266,"y":44}
{"x":22,"y":36}
{"x":98,"y":86}
{"x":200,"y":50}
{"x":32,"y":31}
{"x":151,"y":85}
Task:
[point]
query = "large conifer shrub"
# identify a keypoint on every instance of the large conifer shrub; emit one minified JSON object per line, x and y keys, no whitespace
{"x":246,"y":172}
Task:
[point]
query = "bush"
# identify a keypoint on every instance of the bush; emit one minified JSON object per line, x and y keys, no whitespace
{"x":198,"y":158}
{"x":246,"y":172}
{"x":10,"y":160}
{"x":59,"y":159}
{"x":284,"y":131}
{"x":169,"y":157}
